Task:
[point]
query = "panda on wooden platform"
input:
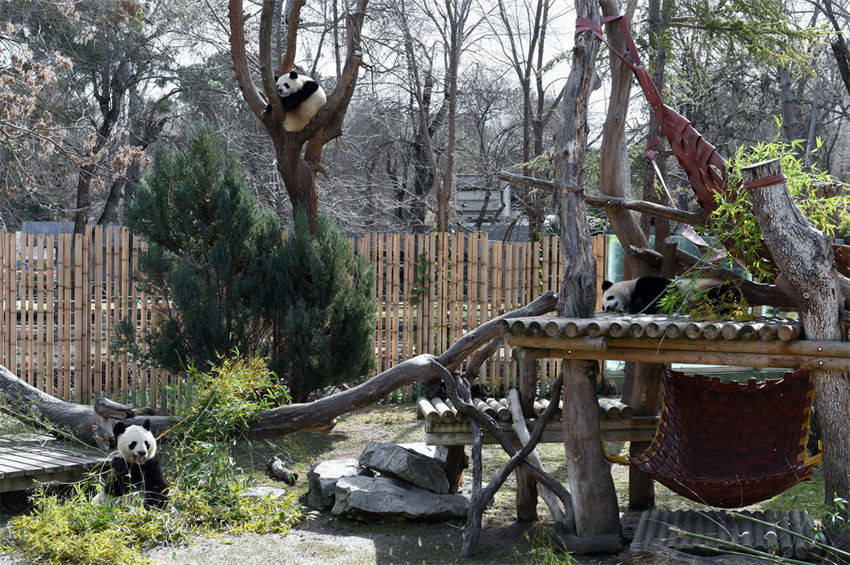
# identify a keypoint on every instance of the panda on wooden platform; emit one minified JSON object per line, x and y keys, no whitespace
{"x":642,"y":295}
{"x":136,"y":467}
{"x":301,"y":97}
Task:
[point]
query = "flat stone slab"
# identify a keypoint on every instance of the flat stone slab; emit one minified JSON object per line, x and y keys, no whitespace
{"x":384,"y":497}
{"x":260,"y":492}
{"x":323,"y":477}
{"x":395,"y":461}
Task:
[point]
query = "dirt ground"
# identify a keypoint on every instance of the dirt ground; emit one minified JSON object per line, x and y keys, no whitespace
{"x":326,"y":539}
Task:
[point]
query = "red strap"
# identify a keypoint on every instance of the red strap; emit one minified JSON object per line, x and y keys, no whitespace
{"x":766,"y":181}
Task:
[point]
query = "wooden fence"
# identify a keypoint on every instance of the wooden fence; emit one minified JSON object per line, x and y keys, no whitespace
{"x":63,"y":296}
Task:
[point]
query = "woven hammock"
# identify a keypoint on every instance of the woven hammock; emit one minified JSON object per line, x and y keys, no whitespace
{"x":730,"y":444}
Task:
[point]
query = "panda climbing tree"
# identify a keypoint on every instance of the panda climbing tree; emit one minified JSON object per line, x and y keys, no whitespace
{"x":299,"y":126}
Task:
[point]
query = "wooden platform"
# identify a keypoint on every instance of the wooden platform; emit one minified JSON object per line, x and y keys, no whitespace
{"x":763,"y":342}
{"x":27,"y":459}
{"x":444,"y":426}
{"x":664,"y":528}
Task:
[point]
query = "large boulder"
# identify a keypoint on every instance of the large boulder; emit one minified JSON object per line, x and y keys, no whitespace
{"x":323,"y":477}
{"x":376,"y":497}
{"x":395,"y":461}
{"x":438,"y":452}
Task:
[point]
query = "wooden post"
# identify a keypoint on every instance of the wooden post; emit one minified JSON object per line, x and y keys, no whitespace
{"x":456,"y":462}
{"x":644,"y":401}
{"x":526,"y":486}
{"x":805,"y":260}
{"x":594,"y":498}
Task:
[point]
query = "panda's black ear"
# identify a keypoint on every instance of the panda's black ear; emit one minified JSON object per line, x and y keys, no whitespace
{"x":606,"y":285}
{"x":293,"y":75}
{"x":119,"y":428}
{"x":276,"y":77}
{"x":147,"y":424}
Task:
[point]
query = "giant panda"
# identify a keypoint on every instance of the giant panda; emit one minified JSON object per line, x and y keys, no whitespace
{"x":301,"y":96}
{"x":641,"y":295}
{"x":136,"y":466}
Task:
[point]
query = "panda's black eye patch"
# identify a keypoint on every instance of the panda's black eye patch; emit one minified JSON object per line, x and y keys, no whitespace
{"x":147,"y":445}
{"x":286,"y":84}
{"x":610,"y":298}
{"x":132,"y":445}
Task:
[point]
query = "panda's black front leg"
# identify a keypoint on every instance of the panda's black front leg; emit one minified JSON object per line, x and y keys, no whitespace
{"x":117,"y":483}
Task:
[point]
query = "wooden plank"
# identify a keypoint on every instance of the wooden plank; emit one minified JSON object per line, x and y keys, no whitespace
{"x":40,"y":310}
{"x":125,"y":291}
{"x":30,"y":308}
{"x":50,"y":373}
{"x":85,"y":372}
{"x":79,"y":390}
{"x":109,"y":365}
{"x":98,"y":309}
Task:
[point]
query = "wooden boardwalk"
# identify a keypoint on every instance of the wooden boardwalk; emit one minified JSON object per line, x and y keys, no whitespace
{"x":24,"y":460}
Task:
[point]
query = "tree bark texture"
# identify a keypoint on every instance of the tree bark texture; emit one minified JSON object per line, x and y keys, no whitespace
{"x":805,"y":260}
{"x":593,"y":494}
{"x":615,"y":173}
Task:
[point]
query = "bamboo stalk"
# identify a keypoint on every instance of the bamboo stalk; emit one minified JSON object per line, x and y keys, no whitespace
{"x":429,"y":413}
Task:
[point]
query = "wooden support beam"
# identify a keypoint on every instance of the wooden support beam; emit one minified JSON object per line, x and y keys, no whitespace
{"x":526,"y":487}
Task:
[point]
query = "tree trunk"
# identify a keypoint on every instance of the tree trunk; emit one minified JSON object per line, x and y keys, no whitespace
{"x":299,"y":180}
{"x":805,"y":260}
{"x":593,"y":494}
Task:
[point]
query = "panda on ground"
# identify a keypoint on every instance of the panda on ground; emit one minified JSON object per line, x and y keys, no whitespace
{"x":136,"y":467}
{"x":301,"y":97}
{"x":642,"y":295}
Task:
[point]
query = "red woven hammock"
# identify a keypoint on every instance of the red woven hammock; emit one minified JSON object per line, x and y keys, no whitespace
{"x":730,"y":444}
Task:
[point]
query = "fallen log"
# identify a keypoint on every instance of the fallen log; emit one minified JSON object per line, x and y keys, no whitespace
{"x":84,"y":423}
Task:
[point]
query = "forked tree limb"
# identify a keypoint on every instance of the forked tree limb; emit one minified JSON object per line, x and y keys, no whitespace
{"x":522,"y":433}
{"x":458,"y":392}
{"x":17,"y":397}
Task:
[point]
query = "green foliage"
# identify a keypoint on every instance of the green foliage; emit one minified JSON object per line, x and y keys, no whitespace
{"x":694,"y":303}
{"x":762,"y":28}
{"x":423,"y":279}
{"x":734,"y":223}
{"x":544,"y":550}
{"x":208,"y":243}
{"x":322,"y":308}
{"x":207,"y":494}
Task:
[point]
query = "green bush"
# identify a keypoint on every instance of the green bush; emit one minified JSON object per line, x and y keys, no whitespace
{"x":323,"y":310}
{"x":733,"y":222}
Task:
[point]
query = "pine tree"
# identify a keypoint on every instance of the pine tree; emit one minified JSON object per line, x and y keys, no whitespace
{"x":208,"y":245}
{"x":323,"y":308}
{"x":231,"y":284}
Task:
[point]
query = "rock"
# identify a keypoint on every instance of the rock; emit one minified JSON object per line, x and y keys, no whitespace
{"x":395,"y":461}
{"x":373,"y":497}
{"x":438,"y":452}
{"x":260,"y":492}
{"x":323,"y":477}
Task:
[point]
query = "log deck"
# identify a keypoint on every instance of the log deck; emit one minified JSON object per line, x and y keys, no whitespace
{"x":444,"y":426}
{"x":763,"y":342}
{"x":25,"y":460}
